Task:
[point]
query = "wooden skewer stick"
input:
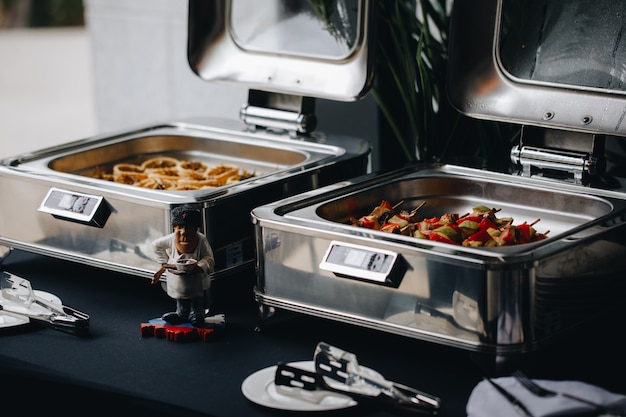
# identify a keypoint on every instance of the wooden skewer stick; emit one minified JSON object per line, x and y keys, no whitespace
{"x":398,"y":204}
{"x":416,"y":209}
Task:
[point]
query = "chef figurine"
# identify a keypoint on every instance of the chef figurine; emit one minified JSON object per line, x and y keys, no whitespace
{"x":189,"y":289}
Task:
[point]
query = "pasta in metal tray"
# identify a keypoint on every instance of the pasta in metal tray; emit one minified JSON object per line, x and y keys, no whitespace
{"x":169,"y":173}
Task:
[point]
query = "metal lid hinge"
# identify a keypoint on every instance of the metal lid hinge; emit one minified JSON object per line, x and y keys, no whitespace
{"x":559,"y":154}
{"x":281,"y":112}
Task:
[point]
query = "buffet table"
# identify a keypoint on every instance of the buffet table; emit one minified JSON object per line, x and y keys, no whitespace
{"x":115,"y":369}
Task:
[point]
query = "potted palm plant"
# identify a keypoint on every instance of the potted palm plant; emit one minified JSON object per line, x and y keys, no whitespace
{"x":418,"y":122}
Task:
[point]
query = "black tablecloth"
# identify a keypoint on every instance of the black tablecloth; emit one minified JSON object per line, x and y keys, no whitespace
{"x":114,"y":369}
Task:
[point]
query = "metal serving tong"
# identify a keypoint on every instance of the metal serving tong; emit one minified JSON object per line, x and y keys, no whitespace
{"x":18,"y":299}
{"x":361,"y":384}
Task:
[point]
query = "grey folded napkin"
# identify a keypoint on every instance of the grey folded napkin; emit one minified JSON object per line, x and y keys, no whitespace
{"x":486,"y":401}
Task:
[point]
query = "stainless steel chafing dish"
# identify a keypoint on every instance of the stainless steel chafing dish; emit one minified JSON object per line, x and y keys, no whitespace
{"x":500,"y":300}
{"x":53,"y":205}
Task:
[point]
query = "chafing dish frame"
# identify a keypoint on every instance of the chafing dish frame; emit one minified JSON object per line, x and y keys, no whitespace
{"x":488,"y":300}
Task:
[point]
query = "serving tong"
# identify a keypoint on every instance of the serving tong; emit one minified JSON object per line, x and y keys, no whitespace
{"x":351,"y":380}
{"x":19,"y":300}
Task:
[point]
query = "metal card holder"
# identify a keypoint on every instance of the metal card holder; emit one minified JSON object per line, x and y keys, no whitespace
{"x":88,"y":209}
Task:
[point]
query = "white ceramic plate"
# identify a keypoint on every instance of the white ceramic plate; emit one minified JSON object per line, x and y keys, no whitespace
{"x":260,"y":389}
{"x":12,"y":320}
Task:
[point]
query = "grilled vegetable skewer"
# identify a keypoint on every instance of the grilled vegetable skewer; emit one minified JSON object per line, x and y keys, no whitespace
{"x":480,"y":228}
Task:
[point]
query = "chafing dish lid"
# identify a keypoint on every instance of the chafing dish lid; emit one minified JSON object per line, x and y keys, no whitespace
{"x":298,"y":47}
{"x":546,"y":63}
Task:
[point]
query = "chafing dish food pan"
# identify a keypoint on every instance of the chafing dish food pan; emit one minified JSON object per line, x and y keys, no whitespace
{"x":117,"y":221}
{"x":501,"y":300}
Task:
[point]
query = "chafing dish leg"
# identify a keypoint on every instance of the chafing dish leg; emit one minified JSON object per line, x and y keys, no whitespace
{"x":265,"y":312}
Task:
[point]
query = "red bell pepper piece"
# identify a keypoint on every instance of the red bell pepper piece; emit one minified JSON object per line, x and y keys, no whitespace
{"x":440,"y":237}
{"x":367,"y":222}
{"x":481,"y":237}
{"x":526,"y":233}
{"x":469,"y":217}
{"x":507,"y":237}
{"x":486,"y":223}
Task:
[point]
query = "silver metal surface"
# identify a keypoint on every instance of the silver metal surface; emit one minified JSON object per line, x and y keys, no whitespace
{"x":135,"y":216}
{"x":290,"y":47}
{"x":503,"y":300}
{"x":565,"y":42}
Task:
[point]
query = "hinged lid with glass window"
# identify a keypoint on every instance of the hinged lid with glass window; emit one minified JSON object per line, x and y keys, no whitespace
{"x":557,"y":68}
{"x":286,"y":52}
